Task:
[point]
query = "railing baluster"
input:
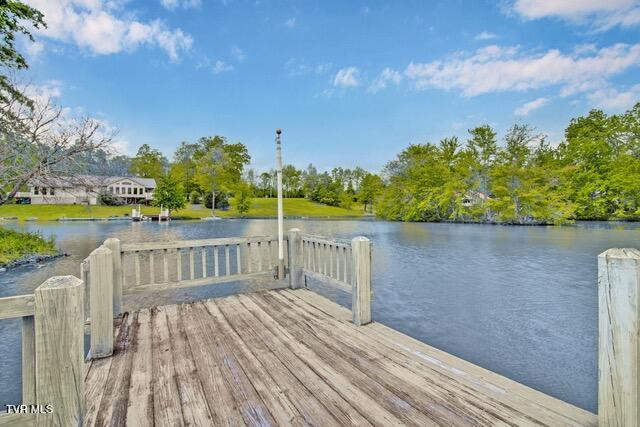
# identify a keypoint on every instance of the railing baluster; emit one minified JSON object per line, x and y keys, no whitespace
{"x":269,"y":255}
{"x":238,"y":264}
{"x":152,"y":269}
{"x":137,"y":267}
{"x":227,"y":261}
{"x":192,"y":265}
{"x":249,"y":258}
{"x":331,"y":261}
{"x":204,"y":261}
{"x":259,"y":248}
{"x":179,"y":264}
{"x":344,"y":263}
{"x":28,"y":360}
{"x":165,"y":266}
{"x":338,"y":250}
{"x":216,"y":270}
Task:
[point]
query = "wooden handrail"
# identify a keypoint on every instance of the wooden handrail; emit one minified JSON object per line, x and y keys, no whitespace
{"x":182,"y":244}
{"x":17,"y":306}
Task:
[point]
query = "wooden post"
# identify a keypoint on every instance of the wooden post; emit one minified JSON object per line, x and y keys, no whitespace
{"x":59,"y":325}
{"x":619,"y":341}
{"x":114,"y":245}
{"x":361,"y":295}
{"x":295,"y":259}
{"x":101,"y":296}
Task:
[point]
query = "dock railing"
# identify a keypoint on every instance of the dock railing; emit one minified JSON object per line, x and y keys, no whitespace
{"x":339,"y":263}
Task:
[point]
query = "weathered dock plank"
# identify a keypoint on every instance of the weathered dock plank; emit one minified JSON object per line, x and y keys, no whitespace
{"x":292,"y":357}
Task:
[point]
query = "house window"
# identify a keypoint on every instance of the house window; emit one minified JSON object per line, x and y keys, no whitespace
{"x":52,"y":191}
{"x":35,"y":190}
{"x":44,"y":191}
{"x":135,"y":190}
{"x":129,"y":190}
{"x":142,"y":191}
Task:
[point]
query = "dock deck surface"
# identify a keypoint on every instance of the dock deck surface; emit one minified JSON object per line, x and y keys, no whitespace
{"x":294,"y":358}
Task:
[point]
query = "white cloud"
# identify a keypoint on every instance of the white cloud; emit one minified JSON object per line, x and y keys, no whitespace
{"x":221,"y":67}
{"x":485,"y":35}
{"x":347,"y":77}
{"x":387,"y":76}
{"x":298,"y":67}
{"x":290,"y":23}
{"x":238,"y":54}
{"x":96,"y":26}
{"x":526,"y":108}
{"x":498,"y":69}
{"x":600,"y":14}
{"x":184,"y":4}
{"x":611,"y":99}
{"x":42,"y":93}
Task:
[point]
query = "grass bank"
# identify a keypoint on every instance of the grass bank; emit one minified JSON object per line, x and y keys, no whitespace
{"x":259,"y":208}
{"x":15,"y":245}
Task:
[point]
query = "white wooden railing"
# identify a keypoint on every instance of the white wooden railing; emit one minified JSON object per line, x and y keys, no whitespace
{"x":165,"y":265}
{"x":345,"y":265}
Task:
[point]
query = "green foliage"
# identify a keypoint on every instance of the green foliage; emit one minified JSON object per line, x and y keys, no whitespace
{"x":14,"y":245}
{"x":169,"y":194}
{"x":593,"y":174}
{"x":243,"y":198}
{"x":109,"y":199}
{"x":15,"y":18}
{"x":195,"y":197}
{"x":148,"y":163}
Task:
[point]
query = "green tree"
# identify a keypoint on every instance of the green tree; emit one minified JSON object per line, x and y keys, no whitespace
{"x":169,"y":194}
{"x":15,"y":18}
{"x":243,"y":198}
{"x":183,"y":168}
{"x":148,"y":163}
{"x":219,"y":165}
{"x":370,"y":188}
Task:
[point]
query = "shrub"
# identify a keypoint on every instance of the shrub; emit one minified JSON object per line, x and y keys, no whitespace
{"x":111,"y":200}
{"x":222,"y":200}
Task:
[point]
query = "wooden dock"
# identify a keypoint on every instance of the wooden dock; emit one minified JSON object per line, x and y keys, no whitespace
{"x":292,"y":357}
{"x":278,"y":357}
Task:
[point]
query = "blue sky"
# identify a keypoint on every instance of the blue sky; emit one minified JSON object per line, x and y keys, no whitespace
{"x":349,"y":82}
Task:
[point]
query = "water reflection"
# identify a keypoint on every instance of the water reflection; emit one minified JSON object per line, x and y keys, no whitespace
{"x":521,"y":301}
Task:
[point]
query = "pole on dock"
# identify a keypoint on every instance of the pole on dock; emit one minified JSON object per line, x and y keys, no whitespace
{"x":280,"y":208}
{"x":619,"y":337}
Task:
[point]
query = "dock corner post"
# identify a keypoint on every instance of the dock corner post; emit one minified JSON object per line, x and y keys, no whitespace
{"x":114,"y":245}
{"x":295,"y":259}
{"x":101,"y":302}
{"x":59,"y":333}
{"x":361,"y":295}
{"x":619,"y":339}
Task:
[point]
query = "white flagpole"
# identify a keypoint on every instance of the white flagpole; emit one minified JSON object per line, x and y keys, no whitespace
{"x":280,"y":213}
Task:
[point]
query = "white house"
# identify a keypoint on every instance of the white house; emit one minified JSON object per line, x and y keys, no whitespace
{"x":86,"y":189}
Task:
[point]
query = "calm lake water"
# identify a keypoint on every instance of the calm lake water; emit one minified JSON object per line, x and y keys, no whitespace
{"x":521,"y":301}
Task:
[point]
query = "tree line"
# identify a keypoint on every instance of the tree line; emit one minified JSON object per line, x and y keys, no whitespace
{"x":593,"y":174}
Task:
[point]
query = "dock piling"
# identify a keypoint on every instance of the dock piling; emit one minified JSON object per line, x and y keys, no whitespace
{"x":101,"y":301}
{"x":59,"y":334}
{"x":361,"y":296}
{"x":295,"y":259}
{"x":619,"y":340}
{"x":114,"y":245}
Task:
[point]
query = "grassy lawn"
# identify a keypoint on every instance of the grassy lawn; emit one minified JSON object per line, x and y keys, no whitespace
{"x":260,"y":208}
{"x":15,"y":245}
